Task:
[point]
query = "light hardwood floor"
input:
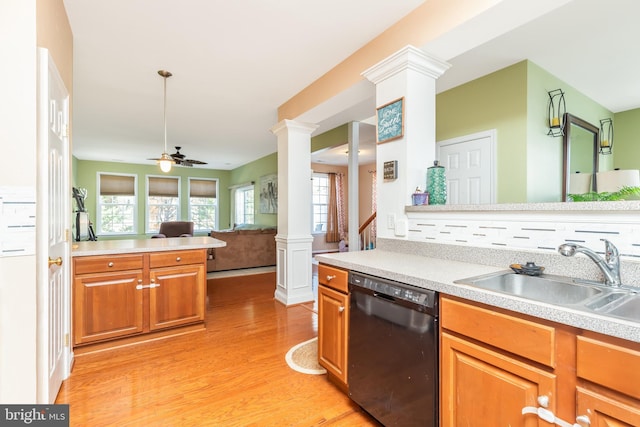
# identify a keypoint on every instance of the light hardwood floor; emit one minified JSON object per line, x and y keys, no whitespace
{"x":232,"y":374}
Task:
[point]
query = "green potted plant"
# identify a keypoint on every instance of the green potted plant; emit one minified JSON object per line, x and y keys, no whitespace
{"x":625,"y":193}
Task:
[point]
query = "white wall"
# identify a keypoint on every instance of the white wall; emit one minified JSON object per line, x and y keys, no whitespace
{"x":18,"y":136}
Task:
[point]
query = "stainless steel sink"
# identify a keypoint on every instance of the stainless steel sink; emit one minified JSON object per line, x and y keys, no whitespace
{"x":621,"y":302}
{"x":606,"y":301}
{"x":627,"y":307}
{"x":546,"y":288}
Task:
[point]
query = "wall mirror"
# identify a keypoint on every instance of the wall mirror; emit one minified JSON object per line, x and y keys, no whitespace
{"x":580,"y":164}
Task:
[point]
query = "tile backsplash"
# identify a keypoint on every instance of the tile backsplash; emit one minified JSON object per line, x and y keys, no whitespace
{"x":529,"y":229}
{"x":499,"y":235}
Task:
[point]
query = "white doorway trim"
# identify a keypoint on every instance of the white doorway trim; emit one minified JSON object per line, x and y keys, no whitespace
{"x":54,"y":355}
{"x":491,"y":134}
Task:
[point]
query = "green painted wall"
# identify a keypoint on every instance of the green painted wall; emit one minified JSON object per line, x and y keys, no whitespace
{"x":74,"y":171}
{"x":269,"y":165}
{"x":514,"y":101}
{"x":86,"y":172}
{"x":252,"y":172}
{"x":329,"y":139}
{"x":495,"y":101}
{"x":626,"y":139}
{"x":545,"y":153}
{"x":85,"y":176}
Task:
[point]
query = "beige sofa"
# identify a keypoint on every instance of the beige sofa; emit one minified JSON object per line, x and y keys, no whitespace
{"x":246,"y":248}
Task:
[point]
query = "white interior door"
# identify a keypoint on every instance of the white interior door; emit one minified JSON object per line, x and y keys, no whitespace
{"x":52,"y":225}
{"x":469,"y":163}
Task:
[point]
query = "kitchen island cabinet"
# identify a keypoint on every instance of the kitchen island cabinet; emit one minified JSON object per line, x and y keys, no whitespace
{"x":177,"y":288}
{"x":149,"y":290}
{"x":106,"y":301}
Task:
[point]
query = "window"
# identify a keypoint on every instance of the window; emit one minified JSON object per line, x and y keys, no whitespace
{"x":320,"y":200}
{"x":244,"y":205}
{"x":163,"y":201}
{"x":117,"y":204}
{"x":203,"y":204}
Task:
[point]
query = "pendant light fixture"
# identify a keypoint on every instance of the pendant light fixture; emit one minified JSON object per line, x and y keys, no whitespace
{"x":165,"y":161}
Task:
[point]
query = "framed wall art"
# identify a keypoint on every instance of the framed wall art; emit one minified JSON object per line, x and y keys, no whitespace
{"x":269,"y":194}
{"x":390,"y":121}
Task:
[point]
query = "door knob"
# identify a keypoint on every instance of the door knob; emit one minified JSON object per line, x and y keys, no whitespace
{"x":57,"y":261}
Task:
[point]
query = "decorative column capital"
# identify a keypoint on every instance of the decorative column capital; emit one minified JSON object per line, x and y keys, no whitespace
{"x":407,"y":58}
{"x":299,"y":127}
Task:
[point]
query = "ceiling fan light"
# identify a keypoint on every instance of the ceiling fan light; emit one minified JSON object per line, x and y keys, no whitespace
{"x":165,"y":162}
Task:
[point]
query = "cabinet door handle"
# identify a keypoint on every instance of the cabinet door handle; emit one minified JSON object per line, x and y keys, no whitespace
{"x":149,"y":286}
{"x":340,"y":309}
{"x":110,"y":264}
{"x":330,"y":278}
{"x":583,"y":420}
{"x":178,"y":259}
{"x":547,"y":415}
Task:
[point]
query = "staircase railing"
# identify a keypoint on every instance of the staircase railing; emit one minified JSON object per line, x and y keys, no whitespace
{"x":366,"y":233}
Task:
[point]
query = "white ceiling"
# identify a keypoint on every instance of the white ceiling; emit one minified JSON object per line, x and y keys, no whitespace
{"x":234,"y":63}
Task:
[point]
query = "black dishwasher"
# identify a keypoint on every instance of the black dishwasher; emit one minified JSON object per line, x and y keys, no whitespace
{"x":393,"y":351}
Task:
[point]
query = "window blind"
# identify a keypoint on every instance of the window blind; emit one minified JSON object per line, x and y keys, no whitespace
{"x":202,"y":188}
{"x":117,"y":185}
{"x":163,"y":187}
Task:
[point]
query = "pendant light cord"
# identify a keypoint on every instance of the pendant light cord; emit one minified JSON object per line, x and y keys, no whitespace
{"x":165,"y":75}
{"x":165,"y":113}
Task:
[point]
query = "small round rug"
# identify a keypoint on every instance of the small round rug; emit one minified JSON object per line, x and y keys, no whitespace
{"x":303,"y":358}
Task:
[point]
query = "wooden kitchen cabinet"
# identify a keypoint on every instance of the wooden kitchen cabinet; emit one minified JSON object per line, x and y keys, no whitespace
{"x":480,"y":383}
{"x":107,"y":306}
{"x":118,"y":296}
{"x":472,"y":374}
{"x":608,"y":392}
{"x":494,"y":363}
{"x":178,"y":297}
{"x":333,"y":322}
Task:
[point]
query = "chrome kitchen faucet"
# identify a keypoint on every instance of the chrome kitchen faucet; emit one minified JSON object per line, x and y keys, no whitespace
{"x":610,"y":265}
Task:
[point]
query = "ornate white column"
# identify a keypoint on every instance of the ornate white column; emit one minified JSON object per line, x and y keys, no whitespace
{"x":294,"y":240}
{"x":410,"y":74}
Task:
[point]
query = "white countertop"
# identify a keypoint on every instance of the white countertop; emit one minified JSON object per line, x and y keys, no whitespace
{"x":439,"y":274}
{"x":108,"y":247}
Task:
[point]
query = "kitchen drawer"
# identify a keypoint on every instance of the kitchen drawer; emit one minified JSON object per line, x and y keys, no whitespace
{"x":610,"y":365}
{"x":334,"y":278}
{"x":524,"y":338}
{"x":107,"y":263}
{"x":173,"y":258}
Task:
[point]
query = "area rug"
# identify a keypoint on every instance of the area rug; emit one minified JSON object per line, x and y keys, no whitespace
{"x":303,"y":358}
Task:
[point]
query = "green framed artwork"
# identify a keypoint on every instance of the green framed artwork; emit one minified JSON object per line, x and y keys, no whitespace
{"x":390,"y":121}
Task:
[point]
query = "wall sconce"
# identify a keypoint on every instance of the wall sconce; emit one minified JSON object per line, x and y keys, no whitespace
{"x":557,"y":109}
{"x":606,"y":136}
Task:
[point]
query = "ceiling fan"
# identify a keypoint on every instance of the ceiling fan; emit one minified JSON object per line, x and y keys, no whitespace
{"x":180,"y":159}
{"x":165,"y":161}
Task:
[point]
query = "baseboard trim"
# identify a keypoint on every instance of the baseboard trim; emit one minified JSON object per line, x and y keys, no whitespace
{"x":240,"y":272}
